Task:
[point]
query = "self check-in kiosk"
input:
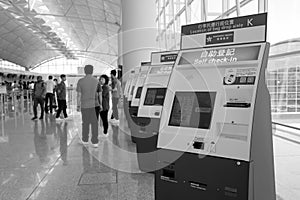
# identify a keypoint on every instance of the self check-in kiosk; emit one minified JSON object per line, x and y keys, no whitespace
{"x":151,"y":102}
{"x":130,"y":94}
{"x":137,"y":122}
{"x":215,"y":132}
{"x":126,"y":91}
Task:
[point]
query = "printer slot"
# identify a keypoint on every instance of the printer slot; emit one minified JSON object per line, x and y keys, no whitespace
{"x":237,"y":105}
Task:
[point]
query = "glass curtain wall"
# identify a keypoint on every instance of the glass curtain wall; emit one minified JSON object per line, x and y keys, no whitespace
{"x":283,"y":69}
{"x":172,"y":14}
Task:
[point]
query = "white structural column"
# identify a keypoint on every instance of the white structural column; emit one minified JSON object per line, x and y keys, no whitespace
{"x":139,"y":31}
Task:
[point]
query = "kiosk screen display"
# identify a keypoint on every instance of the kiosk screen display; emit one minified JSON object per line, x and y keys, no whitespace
{"x":192,"y":109}
{"x":138,"y":92}
{"x":155,"y":96}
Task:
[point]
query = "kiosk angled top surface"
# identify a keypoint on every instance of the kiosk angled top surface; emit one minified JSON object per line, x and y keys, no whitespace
{"x":210,"y":99}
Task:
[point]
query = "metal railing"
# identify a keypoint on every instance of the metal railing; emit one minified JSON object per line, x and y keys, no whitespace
{"x":23,"y":100}
{"x":290,"y":139}
{"x":16,"y":99}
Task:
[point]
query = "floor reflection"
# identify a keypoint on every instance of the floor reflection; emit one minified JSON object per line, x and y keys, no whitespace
{"x":40,"y":142}
{"x":62,"y":132}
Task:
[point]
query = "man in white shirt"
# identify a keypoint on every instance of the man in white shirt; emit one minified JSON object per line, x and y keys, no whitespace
{"x":49,"y":94}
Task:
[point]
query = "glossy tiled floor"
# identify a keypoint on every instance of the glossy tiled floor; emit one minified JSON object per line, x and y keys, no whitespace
{"x":43,"y":160}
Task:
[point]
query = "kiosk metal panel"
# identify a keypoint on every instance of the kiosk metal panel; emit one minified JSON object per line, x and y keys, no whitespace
{"x":128,"y":82}
{"x":133,"y":83}
{"x":136,"y":92}
{"x":155,"y":87}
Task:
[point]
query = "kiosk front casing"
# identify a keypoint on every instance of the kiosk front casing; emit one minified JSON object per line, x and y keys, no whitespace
{"x":216,"y":136}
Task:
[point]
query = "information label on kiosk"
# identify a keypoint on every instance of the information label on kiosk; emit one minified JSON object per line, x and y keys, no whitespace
{"x":246,"y":29}
{"x":240,"y":76}
{"x":168,"y":57}
{"x":161,"y":70}
{"x":220,"y":55}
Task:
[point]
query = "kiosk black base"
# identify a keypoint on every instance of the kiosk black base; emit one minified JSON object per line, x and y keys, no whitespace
{"x":146,"y":144}
{"x":133,"y":110}
{"x":125,"y":107}
{"x":199,"y":177}
{"x":129,"y":111}
{"x":137,"y":124}
{"x":147,"y":153}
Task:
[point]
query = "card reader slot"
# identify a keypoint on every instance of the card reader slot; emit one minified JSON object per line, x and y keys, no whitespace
{"x":237,"y":105}
{"x":198,"y":145}
{"x":231,"y":192}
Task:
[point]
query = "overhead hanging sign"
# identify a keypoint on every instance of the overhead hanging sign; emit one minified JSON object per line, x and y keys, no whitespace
{"x":246,"y":29}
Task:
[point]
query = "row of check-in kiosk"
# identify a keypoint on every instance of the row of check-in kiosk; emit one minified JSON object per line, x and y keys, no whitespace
{"x":200,"y":118}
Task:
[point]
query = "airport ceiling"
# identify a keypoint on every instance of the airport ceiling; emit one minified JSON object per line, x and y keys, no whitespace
{"x":32,"y":31}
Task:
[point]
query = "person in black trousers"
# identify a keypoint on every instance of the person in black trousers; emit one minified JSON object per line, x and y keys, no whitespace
{"x":39,"y":92}
{"x":61,"y":91}
{"x":105,"y":102}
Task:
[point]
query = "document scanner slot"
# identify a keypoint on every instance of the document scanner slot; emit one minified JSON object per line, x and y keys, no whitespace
{"x":234,"y":131}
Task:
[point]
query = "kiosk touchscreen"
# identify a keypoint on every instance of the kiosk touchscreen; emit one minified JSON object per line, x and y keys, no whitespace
{"x":125,"y":97}
{"x":151,"y":102}
{"x":138,"y":121}
{"x":215,"y":134}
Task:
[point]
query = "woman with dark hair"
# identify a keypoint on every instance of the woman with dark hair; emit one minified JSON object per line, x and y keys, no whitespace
{"x":105,"y":102}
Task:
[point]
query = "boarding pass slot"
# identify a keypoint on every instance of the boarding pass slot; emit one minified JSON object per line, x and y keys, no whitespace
{"x":239,"y":97}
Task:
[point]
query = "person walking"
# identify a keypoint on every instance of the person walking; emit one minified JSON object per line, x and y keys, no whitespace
{"x":89,"y":102}
{"x":105,"y":103}
{"x":54,"y":96}
{"x":116,"y":93}
{"x":61,"y":91}
{"x":39,"y":92}
{"x":49,"y":94}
